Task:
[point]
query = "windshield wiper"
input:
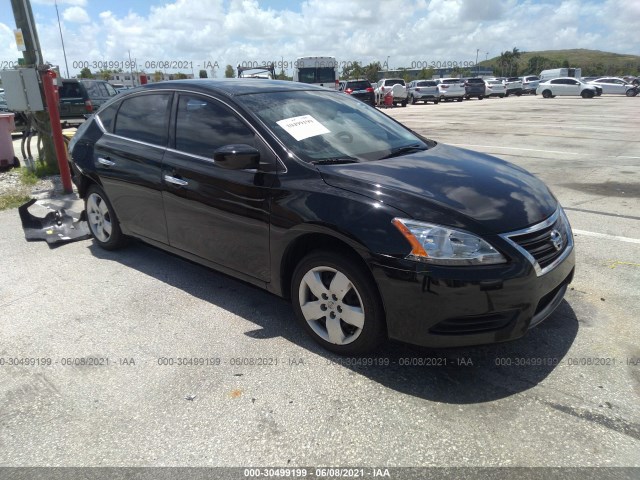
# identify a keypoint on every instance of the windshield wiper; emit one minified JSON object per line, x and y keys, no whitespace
{"x":336,"y":161}
{"x":403,"y":150}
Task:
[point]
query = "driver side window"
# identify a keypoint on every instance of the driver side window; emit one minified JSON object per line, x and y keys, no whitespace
{"x":204,"y":125}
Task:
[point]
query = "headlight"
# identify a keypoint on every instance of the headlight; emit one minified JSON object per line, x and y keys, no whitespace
{"x":446,"y":246}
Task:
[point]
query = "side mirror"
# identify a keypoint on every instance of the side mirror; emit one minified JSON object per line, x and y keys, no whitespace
{"x":237,"y":157}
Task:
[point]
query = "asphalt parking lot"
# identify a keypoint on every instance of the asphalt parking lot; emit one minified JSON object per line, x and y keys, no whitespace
{"x":110,"y":339}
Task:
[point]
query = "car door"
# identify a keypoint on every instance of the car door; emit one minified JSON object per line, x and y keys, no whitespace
{"x":128,"y":161}
{"x":218,"y":214}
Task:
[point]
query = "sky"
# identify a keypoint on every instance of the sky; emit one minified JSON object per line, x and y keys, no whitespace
{"x":209,"y":34}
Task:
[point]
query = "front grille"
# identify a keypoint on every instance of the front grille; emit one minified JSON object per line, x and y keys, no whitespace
{"x":545,"y":243}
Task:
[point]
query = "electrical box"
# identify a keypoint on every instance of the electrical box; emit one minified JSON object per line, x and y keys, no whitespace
{"x":22,"y":90}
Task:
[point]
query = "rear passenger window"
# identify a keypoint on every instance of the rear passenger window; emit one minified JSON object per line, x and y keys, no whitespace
{"x":203,"y":125}
{"x":144,"y":118}
{"x":108,"y":115}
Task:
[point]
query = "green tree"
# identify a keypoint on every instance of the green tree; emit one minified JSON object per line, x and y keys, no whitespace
{"x":157,"y":76}
{"x":353,"y":70}
{"x":370,"y":72}
{"x":86,"y":73}
{"x":104,"y":74}
{"x":283,"y":76}
{"x":203,"y":74}
{"x":426,"y":74}
{"x":181,"y":76}
{"x":229,"y":72}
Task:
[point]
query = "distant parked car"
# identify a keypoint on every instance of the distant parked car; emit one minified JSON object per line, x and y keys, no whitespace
{"x":513,"y":86}
{"x":360,"y":89}
{"x":79,"y":98}
{"x":451,"y":89}
{"x":474,"y":87}
{"x":529,"y":84}
{"x":394,"y":85}
{"x":495,"y":88}
{"x":566,"y":86}
{"x":423,"y":91}
{"x":614,"y":85}
{"x":19,"y":118}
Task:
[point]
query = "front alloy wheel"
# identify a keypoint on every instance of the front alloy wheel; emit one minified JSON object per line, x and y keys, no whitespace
{"x":337,"y":303}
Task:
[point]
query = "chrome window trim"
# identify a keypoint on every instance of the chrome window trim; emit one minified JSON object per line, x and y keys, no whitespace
{"x":559,"y":213}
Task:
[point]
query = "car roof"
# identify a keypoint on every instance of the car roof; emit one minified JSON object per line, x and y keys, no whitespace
{"x":231,"y":86}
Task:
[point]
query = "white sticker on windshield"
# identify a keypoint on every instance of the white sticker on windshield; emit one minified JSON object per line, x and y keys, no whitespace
{"x":302,"y":127}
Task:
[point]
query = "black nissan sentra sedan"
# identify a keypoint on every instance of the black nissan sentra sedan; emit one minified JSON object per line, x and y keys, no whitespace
{"x":371,"y":230}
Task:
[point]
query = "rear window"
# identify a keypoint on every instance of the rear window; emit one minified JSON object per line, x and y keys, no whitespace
{"x":451,"y":81}
{"x":358,"y":85}
{"x":475,"y":80}
{"x":428,"y":83}
{"x":391,"y":81}
{"x":70,"y":90}
{"x":144,"y":118}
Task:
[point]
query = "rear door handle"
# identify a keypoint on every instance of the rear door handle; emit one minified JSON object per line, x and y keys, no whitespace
{"x":106,"y":162}
{"x":175,"y":181}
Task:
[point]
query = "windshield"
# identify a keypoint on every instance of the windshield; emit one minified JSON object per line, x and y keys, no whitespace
{"x":327,"y":126}
{"x":317,"y":75}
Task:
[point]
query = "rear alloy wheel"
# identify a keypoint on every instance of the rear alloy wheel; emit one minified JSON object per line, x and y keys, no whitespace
{"x":337,"y":303}
{"x":546,"y":94}
{"x":102,"y":220}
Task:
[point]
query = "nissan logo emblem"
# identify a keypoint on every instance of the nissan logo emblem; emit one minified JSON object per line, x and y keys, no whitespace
{"x":556,"y":239}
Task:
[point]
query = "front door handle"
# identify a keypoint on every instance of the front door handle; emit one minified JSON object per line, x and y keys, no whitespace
{"x":106,"y":162}
{"x":175,"y":181}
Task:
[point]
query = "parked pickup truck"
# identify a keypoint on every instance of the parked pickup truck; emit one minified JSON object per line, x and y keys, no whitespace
{"x":394,"y":85}
{"x":423,"y":91}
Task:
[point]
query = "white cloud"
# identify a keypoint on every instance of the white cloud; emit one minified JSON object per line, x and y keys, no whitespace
{"x":76,"y":15}
{"x":233,"y":31}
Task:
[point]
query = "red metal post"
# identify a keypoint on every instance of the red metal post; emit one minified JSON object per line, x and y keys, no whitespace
{"x":51,"y":95}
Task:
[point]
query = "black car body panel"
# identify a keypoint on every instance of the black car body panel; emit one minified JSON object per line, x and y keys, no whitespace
{"x":255,"y":223}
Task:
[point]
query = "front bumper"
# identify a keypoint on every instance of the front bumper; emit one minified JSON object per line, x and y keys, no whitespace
{"x":437,"y":306}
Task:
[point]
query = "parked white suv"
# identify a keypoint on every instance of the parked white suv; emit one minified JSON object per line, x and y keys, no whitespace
{"x":530,"y":84}
{"x":513,"y":86}
{"x":394,"y":85}
{"x":451,"y":88}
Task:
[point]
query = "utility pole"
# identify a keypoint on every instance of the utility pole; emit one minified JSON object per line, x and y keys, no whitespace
{"x":33,"y":58}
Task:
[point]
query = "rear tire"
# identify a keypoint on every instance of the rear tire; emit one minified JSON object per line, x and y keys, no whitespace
{"x":102,"y":219}
{"x":413,"y":100}
{"x":459,"y":99}
{"x":16,"y":162}
{"x":337,"y":303}
{"x":547,"y":94}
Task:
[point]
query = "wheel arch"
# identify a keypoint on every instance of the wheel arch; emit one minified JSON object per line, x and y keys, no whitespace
{"x":308,"y":242}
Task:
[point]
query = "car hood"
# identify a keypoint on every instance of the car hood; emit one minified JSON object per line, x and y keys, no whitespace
{"x":450,"y":186}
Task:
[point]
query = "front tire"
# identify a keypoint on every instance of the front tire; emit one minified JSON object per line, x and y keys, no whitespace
{"x":337,"y":303}
{"x":102,"y":219}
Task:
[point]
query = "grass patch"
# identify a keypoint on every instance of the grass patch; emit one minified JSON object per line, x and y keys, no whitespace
{"x":13,"y":200}
{"x":42,"y":170}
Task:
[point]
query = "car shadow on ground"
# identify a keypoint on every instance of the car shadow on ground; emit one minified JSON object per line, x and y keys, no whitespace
{"x":455,"y":376}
